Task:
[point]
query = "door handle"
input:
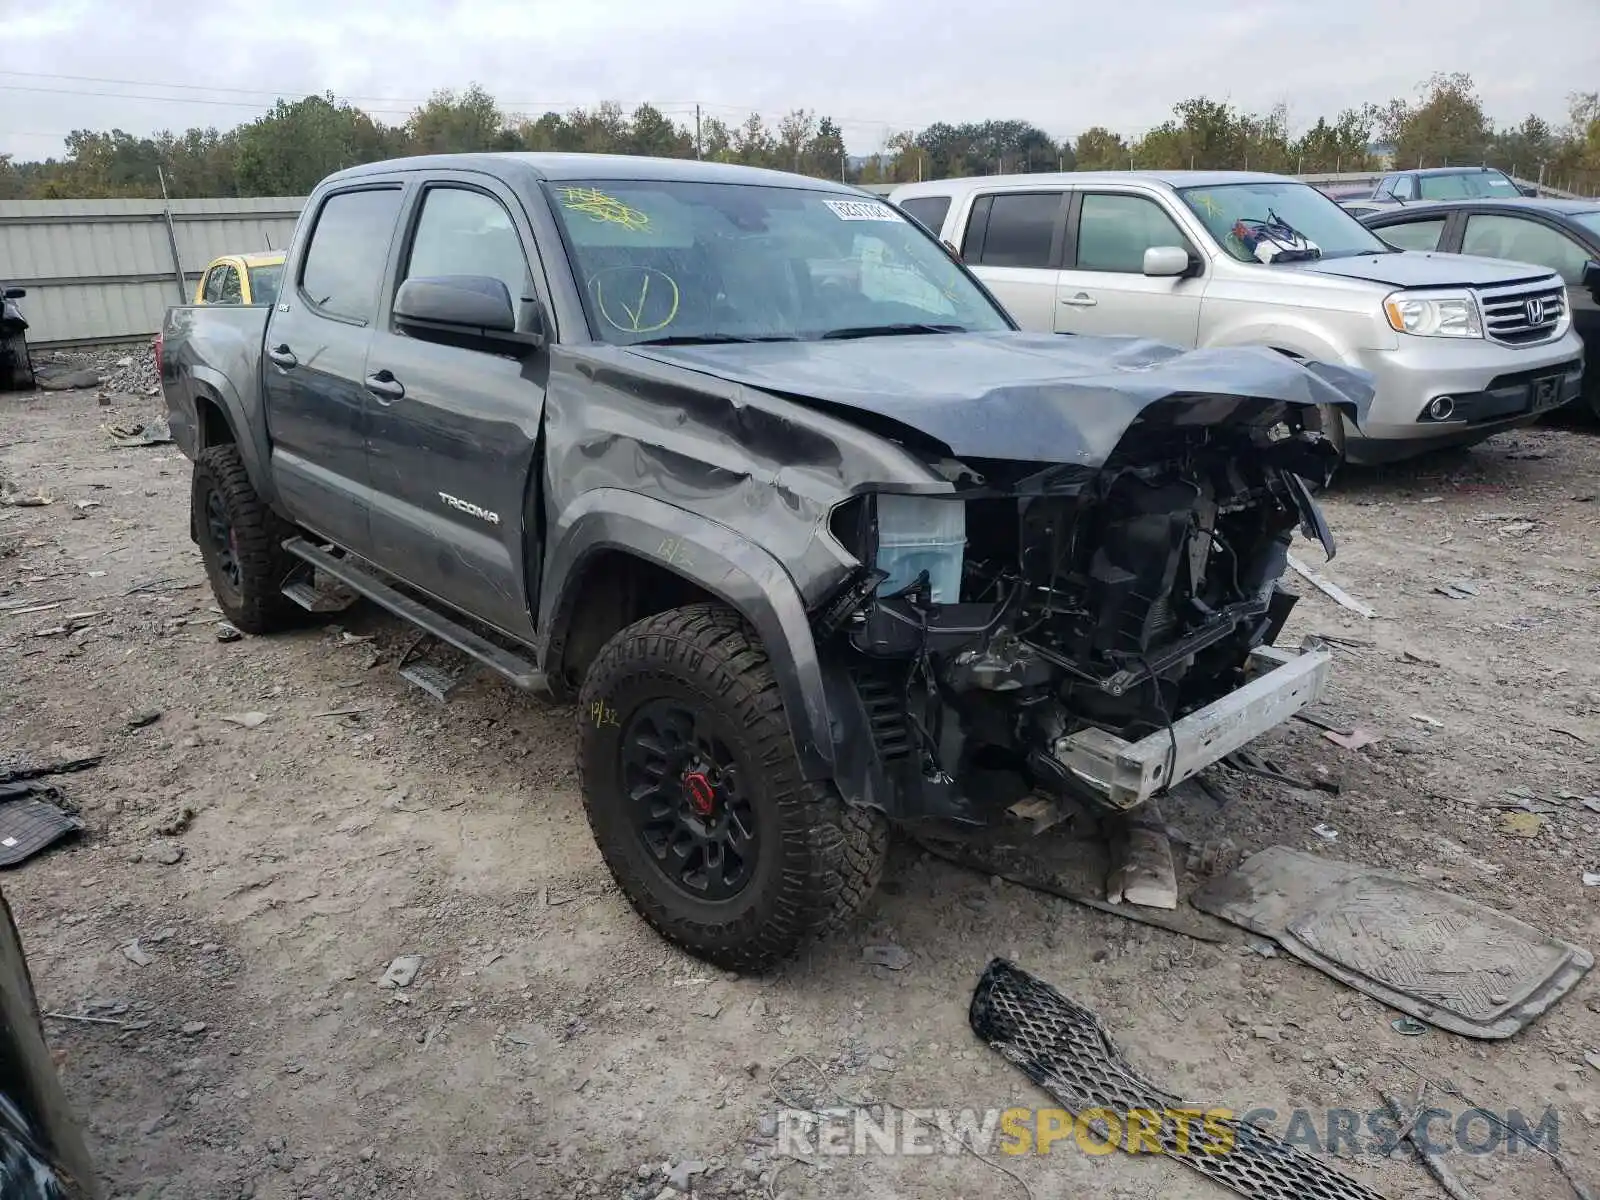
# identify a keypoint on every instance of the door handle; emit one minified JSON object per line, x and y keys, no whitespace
{"x":1081,"y":300}
{"x":385,"y":387}
{"x":283,"y":357}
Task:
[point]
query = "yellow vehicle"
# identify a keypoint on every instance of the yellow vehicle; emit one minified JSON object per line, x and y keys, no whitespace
{"x":241,"y":279}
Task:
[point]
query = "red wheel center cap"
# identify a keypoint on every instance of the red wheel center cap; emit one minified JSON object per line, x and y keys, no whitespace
{"x":702,"y":796}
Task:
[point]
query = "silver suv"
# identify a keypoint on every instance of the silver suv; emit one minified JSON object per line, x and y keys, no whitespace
{"x":1459,"y":347}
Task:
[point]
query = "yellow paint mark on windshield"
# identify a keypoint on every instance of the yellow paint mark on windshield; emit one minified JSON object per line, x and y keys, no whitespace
{"x":604,"y":208}
{"x":636,"y":299}
{"x":1209,"y":203}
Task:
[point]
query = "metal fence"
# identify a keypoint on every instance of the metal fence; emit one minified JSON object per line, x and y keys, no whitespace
{"x":104,"y":271}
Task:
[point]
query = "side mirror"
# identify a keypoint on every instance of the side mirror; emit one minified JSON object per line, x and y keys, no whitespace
{"x":955,"y":251}
{"x":1528,"y":190}
{"x":1166,"y":261}
{"x":1591,"y":276}
{"x":469,"y":309}
{"x":15,"y":293}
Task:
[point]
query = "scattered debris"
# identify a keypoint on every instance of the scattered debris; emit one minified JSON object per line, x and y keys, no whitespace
{"x":176,"y":822}
{"x":1251,"y":763}
{"x":31,"y":821}
{"x":678,"y":1174}
{"x":1350,"y":922}
{"x":1425,"y":719}
{"x":1591,"y":879}
{"x":227,"y":633}
{"x":1317,"y":722}
{"x":191,"y":1028}
{"x":1516,"y":528}
{"x":1424,"y":1149}
{"x":893,"y":957}
{"x":249,"y":719}
{"x":135,"y":954}
{"x":154,"y":433}
{"x":85,"y":1019}
{"x":1326,"y":832}
{"x":1457,"y":589}
{"x":1354,"y":740}
{"x":710,"y":1008}
{"x":140,"y":719}
{"x":1521,"y":824}
{"x":1330,"y":589}
{"x":168,"y":854}
{"x":59,"y":767}
{"x":1141,"y":861}
{"x":64,"y":379}
{"x":401,"y":971}
{"x":1577,"y":737}
{"x":1408,"y":1027}
{"x":340,"y":712}
{"x":1411,"y":656}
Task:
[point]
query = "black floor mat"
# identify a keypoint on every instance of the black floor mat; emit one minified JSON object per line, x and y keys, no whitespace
{"x":29,"y":822}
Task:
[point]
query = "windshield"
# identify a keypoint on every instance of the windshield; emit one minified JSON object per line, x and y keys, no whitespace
{"x":678,"y":261}
{"x":1469,"y":185}
{"x":1589,"y":220}
{"x":1331,"y":230}
{"x":264,"y":283}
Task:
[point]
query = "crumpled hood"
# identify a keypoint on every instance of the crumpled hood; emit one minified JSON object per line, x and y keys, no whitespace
{"x":1424,"y":269}
{"x":1022,"y":396}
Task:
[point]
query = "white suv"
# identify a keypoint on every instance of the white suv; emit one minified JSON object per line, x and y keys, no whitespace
{"x":1459,"y":347}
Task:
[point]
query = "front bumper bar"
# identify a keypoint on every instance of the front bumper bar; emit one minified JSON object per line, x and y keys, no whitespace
{"x":1124,"y":774}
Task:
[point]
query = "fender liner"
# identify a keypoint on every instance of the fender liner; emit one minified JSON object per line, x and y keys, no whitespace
{"x":714,"y":557}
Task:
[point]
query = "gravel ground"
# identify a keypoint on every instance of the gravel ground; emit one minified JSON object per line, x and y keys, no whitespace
{"x":551,"y":1045}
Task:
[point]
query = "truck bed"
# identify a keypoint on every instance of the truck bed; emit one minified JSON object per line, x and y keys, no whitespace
{"x":213,"y":349}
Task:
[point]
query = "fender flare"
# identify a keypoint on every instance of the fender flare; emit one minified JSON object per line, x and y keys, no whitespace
{"x":210,"y":386}
{"x":713,"y":557}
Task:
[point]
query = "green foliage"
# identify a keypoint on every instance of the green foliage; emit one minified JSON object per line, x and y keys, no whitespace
{"x":290,"y":148}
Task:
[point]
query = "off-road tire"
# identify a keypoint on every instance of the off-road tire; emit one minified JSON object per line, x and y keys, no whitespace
{"x":820,"y":859}
{"x":257,"y":603}
{"x":18,"y":377}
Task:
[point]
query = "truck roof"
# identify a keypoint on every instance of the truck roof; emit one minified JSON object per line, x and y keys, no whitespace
{"x":557,"y":167}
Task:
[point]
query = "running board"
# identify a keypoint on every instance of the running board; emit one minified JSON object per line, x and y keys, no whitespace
{"x":357,"y":578}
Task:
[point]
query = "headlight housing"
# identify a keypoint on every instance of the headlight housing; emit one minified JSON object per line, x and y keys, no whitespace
{"x":1437,"y":314}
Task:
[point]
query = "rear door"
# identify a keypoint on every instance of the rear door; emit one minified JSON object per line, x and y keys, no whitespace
{"x":315,"y":360}
{"x":1104,"y":290}
{"x":1545,"y":244}
{"x":454,"y":431}
{"x":1013,"y":243}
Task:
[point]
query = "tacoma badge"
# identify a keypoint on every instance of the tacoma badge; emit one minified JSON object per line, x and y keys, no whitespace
{"x":472,"y":510}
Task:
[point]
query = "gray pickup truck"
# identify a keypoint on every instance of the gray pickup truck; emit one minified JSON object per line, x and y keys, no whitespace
{"x":758,"y":472}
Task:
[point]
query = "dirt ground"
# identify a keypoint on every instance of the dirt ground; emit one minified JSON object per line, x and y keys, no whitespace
{"x":552,"y":1046}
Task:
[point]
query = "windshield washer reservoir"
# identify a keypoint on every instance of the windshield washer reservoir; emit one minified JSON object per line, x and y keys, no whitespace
{"x":917,"y":534}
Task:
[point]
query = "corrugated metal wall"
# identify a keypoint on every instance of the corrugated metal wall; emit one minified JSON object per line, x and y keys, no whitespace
{"x":102,"y":270}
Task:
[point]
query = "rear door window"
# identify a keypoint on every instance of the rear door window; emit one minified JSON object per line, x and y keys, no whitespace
{"x":927,"y":211}
{"x":1414,"y":235}
{"x":343,"y":266}
{"x":1022,"y":229}
{"x":1521,"y":240}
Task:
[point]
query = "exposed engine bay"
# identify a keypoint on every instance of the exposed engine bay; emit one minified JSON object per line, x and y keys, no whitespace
{"x":1041,"y":610}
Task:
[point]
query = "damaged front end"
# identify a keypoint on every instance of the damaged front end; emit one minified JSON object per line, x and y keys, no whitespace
{"x":1095,"y":632}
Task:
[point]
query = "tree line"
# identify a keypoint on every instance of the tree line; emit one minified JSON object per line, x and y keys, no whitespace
{"x":288,"y":149}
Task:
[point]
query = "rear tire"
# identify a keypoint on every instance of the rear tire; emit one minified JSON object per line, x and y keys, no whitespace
{"x":19,"y":376}
{"x":241,"y":542}
{"x":683,"y":741}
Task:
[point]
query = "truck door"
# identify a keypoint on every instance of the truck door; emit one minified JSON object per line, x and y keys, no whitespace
{"x":453,"y":430}
{"x":316,"y":352}
{"x":1104,"y":289}
{"x":1013,"y":244}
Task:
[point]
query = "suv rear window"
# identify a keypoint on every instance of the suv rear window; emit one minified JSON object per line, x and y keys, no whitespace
{"x":344,"y":263}
{"x":1021,"y":229}
{"x":927,"y":211}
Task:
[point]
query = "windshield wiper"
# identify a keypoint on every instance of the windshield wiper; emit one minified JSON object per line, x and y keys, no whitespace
{"x":709,"y":339}
{"x":862,"y":331}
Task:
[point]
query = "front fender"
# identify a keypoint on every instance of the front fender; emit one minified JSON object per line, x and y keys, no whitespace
{"x":711,"y":556}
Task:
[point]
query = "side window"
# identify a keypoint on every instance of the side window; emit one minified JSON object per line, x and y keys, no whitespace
{"x":927,"y":211}
{"x":462,"y":232}
{"x":1413,"y":235}
{"x":1114,"y":232}
{"x":1521,"y":240}
{"x":1405,"y":188}
{"x":232,"y":293}
{"x":1021,"y":229}
{"x":212,"y":292}
{"x":343,"y":266}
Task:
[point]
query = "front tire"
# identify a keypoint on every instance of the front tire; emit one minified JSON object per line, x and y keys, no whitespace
{"x":241,"y":542}
{"x":694,"y":793}
{"x":21,"y":370}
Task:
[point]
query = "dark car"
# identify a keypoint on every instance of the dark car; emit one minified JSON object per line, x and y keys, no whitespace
{"x":1448,"y":183}
{"x":758,"y":472}
{"x":16,"y":370}
{"x":1561,"y":235}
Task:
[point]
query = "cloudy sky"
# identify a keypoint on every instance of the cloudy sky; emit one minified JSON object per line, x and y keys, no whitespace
{"x":875,"y":65}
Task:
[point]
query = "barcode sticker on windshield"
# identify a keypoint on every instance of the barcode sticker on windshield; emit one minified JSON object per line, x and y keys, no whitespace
{"x":862,"y":210}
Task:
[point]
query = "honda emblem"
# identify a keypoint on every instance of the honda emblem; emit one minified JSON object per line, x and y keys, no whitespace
{"x":1534,"y":309}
